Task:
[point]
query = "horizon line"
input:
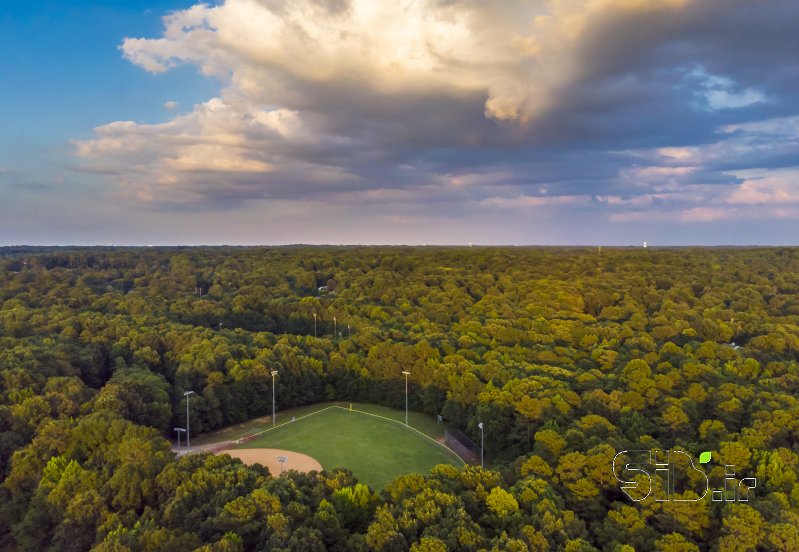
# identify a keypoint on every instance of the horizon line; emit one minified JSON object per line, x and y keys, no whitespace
{"x":419,"y":245}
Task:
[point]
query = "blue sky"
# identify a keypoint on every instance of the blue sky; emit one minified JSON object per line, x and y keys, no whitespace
{"x":63,"y":73}
{"x":355,"y":121}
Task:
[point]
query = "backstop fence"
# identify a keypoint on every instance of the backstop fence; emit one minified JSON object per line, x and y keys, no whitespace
{"x":462,"y":445}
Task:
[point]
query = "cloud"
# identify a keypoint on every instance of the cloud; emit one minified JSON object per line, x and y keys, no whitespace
{"x":767,"y":187}
{"x":706,"y":214}
{"x":718,"y":92}
{"x":171,"y":105}
{"x":522,"y":202}
{"x":618,"y":109}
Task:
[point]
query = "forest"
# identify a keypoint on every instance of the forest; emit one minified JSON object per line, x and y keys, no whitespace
{"x":567,"y":356}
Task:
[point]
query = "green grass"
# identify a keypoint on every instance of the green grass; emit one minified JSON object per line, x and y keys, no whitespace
{"x":417,"y":420}
{"x":375,"y":449}
{"x":237,"y":431}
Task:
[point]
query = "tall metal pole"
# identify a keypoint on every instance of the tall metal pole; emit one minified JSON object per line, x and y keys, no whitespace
{"x":334,"y":328}
{"x":406,"y":394}
{"x":188,"y":436}
{"x":314,"y":325}
{"x":178,"y":430}
{"x":274,"y":416}
{"x":480,"y":425}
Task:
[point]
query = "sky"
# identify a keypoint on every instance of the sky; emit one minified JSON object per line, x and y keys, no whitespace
{"x":539,"y":122}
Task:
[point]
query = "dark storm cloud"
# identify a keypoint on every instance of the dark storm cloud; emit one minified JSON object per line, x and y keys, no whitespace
{"x":653,"y":105}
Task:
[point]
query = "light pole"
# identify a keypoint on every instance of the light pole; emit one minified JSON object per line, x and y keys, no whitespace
{"x":179,"y":430}
{"x":406,"y":394}
{"x":314,"y":325}
{"x":349,"y":333}
{"x":188,"y":437}
{"x":274,"y":417}
{"x":480,"y":425}
{"x":334,"y":327}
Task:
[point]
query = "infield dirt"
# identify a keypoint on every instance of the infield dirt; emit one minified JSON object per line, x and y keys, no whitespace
{"x":268,"y":457}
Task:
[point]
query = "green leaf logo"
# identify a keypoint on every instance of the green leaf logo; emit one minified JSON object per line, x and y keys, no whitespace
{"x":704,"y":458}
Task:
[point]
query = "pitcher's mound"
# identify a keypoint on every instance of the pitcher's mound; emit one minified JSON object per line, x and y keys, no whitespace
{"x":268,"y":457}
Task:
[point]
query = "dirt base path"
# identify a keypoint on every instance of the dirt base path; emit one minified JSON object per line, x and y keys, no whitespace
{"x":268,"y":457}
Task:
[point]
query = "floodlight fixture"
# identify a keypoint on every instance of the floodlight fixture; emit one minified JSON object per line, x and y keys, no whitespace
{"x":178,"y":430}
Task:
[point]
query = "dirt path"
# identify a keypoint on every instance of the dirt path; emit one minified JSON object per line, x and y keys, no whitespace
{"x":211,"y":447}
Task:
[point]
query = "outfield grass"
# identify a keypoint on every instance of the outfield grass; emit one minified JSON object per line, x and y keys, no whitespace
{"x":237,"y":431}
{"x":375,"y":449}
{"x":422,"y":422}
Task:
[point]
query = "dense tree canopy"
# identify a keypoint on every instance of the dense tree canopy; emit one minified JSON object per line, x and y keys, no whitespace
{"x":567,"y":356}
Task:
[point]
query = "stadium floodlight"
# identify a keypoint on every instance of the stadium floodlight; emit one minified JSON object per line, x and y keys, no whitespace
{"x":334,"y":327}
{"x":314,"y":325}
{"x":178,"y":430}
{"x":480,"y":425}
{"x":274,"y":416}
{"x":188,"y":437}
{"x":406,"y":394}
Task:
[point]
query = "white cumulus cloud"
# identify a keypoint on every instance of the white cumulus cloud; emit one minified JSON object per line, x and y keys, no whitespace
{"x":559,"y":104}
{"x":317,"y":92}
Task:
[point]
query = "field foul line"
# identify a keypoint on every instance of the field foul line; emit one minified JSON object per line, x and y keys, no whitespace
{"x":403,"y":424}
{"x":238,"y":441}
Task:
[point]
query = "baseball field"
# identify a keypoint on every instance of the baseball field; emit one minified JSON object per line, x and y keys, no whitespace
{"x":376,"y":448}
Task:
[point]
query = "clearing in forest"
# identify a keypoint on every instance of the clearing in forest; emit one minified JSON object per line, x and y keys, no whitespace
{"x":376,"y":448}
